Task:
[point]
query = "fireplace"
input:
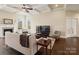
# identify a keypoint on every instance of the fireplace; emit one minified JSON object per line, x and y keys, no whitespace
{"x":7,"y":29}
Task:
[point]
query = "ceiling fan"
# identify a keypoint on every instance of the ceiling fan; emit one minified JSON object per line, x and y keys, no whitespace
{"x":26,"y":8}
{"x":29,"y":8}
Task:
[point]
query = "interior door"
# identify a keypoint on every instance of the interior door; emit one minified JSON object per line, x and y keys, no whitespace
{"x":71,"y":27}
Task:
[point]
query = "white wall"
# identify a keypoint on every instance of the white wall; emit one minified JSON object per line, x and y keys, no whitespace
{"x":4,"y":14}
{"x":21,"y":17}
{"x":56,"y":19}
{"x":16,"y":18}
{"x":77,"y":16}
{"x":70,"y":14}
{"x":7,"y":15}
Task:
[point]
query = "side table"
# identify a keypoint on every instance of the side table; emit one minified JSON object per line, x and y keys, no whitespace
{"x":44,"y":43}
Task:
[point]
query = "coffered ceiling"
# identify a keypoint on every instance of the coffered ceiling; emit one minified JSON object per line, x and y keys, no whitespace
{"x":39,"y":8}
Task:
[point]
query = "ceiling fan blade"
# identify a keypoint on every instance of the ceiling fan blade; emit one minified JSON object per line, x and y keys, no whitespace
{"x":30,"y":8}
{"x":24,"y":4}
{"x":23,"y":8}
{"x":26,"y":10}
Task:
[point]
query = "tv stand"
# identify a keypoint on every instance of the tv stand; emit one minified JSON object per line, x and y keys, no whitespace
{"x":38,"y":35}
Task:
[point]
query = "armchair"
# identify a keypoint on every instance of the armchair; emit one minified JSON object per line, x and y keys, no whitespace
{"x":56,"y":35}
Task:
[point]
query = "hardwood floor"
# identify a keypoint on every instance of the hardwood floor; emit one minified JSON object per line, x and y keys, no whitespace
{"x":7,"y":50}
{"x":69,"y":46}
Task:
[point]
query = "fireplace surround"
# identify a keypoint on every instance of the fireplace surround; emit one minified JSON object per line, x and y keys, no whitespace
{"x":7,"y":29}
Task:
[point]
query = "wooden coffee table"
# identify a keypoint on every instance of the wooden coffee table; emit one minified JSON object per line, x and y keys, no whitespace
{"x":44,"y":43}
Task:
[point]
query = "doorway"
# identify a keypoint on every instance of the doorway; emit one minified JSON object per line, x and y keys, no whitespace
{"x":71,"y":27}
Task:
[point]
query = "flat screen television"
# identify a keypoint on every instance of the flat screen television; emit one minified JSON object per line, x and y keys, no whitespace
{"x":43,"y":29}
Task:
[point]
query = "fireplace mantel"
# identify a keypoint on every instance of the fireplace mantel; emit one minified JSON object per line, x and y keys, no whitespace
{"x":2,"y":27}
{"x":7,"y":27}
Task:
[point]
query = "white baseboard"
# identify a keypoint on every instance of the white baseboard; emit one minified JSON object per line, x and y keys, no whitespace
{"x":63,"y":36}
{"x":69,"y":36}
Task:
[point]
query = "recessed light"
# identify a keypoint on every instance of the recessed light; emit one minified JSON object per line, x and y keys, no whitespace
{"x":56,"y":5}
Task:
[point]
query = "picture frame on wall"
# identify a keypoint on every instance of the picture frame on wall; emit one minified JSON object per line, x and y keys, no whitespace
{"x":20,"y":25}
{"x":29,"y":24}
{"x":7,"y":21}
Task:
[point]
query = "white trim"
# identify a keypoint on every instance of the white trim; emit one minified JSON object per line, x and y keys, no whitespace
{"x":63,"y":36}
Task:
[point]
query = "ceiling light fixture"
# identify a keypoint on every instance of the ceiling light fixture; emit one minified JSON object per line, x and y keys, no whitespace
{"x":56,"y":5}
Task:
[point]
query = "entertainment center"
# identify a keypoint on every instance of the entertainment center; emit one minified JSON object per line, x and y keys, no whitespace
{"x":42,"y":31}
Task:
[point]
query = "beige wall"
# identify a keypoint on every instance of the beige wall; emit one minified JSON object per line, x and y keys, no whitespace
{"x":23,"y":19}
{"x":7,"y":15}
{"x":56,"y":19}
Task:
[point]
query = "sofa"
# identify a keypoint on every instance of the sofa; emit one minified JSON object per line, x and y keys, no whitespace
{"x":13,"y":40}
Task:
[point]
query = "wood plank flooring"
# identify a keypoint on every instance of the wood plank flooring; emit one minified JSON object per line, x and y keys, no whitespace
{"x":7,"y":50}
{"x":69,"y":46}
